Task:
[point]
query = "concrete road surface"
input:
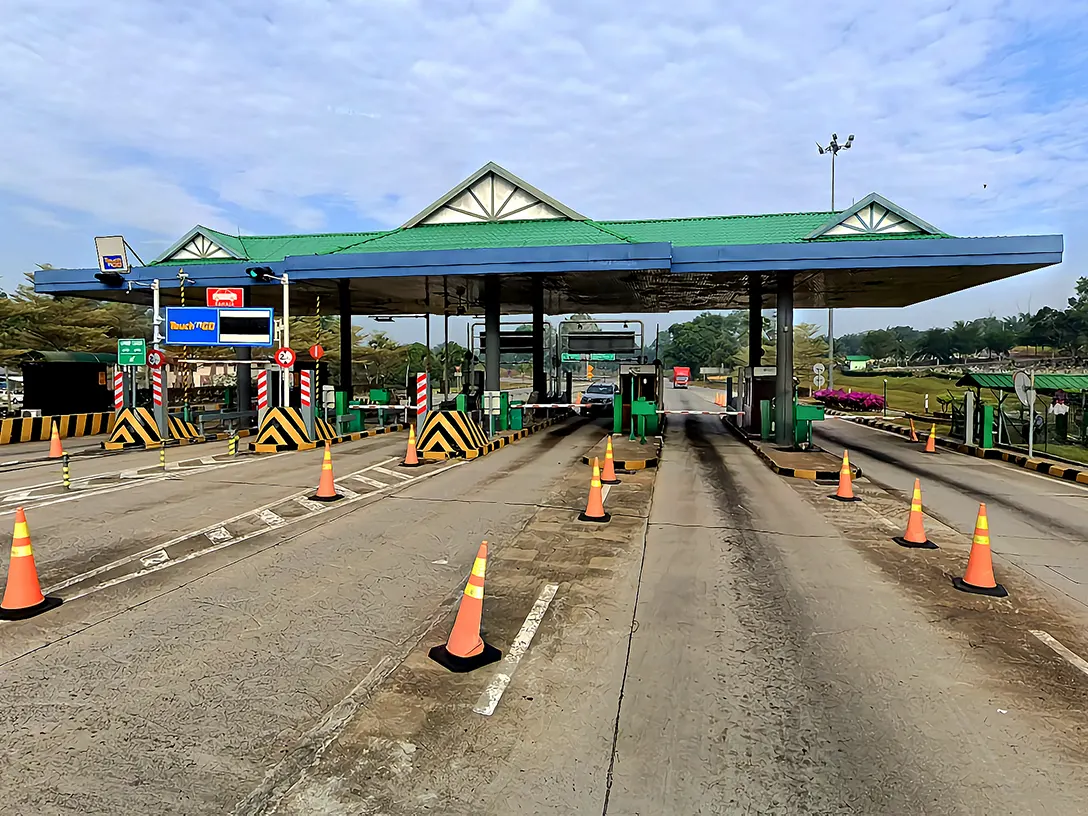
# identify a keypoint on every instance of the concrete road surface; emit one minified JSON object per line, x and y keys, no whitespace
{"x":1037,"y":523}
{"x":725,"y":645}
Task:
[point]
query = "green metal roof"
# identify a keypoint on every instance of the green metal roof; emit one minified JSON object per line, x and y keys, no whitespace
{"x":1044,"y":383}
{"x":727,"y":230}
{"x":858,"y":358}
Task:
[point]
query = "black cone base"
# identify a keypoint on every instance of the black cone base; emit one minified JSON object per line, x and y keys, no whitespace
{"x":30,"y":611}
{"x":417,"y":464}
{"x":610,"y":481}
{"x":840,"y":498}
{"x":332,"y":498}
{"x":599,"y":519}
{"x":994,"y":591}
{"x":925,"y":545}
{"x":443,"y":658}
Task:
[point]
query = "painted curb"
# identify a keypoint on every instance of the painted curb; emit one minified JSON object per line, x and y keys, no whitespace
{"x":494,"y":444}
{"x":219,"y":436}
{"x":336,"y":440}
{"x":793,"y":473}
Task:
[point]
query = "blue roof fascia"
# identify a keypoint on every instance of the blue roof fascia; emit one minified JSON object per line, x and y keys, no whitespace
{"x":83,"y":281}
{"x":1040,"y":250}
{"x":489,"y":261}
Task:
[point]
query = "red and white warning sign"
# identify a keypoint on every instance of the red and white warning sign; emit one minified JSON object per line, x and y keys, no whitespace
{"x":118,"y":391}
{"x":226,"y":297}
{"x":421,"y":394}
{"x":262,"y":390}
{"x":316,"y":351}
{"x":285,"y":357}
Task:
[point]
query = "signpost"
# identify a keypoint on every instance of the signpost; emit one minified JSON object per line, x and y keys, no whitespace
{"x":596,"y":357}
{"x":1024,"y":385}
{"x":208,"y":326}
{"x":112,"y":254}
{"x":226,"y":297}
{"x":132,"y":352}
{"x":316,"y":351}
{"x":156,"y":358}
{"x":818,"y":381}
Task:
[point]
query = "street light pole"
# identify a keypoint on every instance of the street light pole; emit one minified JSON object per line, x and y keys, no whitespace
{"x":285,"y":376}
{"x":833,"y":147}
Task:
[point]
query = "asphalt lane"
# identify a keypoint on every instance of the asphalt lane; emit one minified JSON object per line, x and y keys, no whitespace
{"x":1037,"y":523}
{"x":771,"y":671}
{"x":187,"y":686}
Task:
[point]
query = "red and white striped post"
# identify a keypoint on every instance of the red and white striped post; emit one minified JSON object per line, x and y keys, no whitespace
{"x":159,"y":401}
{"x":118,"y":390}
{"x":306,"y":400}
{"x":262,"y":395}
{"x":156,"y":387}
{"x":422,"y":404}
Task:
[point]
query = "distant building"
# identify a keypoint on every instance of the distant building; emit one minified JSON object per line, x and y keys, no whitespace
{"x":857,"y":362}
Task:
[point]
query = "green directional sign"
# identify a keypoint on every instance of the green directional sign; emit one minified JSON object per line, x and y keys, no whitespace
{"x":602,"y":357}
{"x":132,"y":352}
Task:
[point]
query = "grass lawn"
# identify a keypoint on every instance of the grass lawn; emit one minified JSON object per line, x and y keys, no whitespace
{"x":904,"y":393}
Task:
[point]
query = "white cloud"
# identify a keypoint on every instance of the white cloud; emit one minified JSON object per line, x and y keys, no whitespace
{"x":159,"y":116}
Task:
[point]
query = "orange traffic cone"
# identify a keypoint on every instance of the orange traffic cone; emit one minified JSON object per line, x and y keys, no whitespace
{"x":915,"y":536}
{"x":23,"y":594}
{"x":56,"y":451}
{"x":326,"y":488}
{"x":979,"y":577}
{"x":411,"y":458}
{"x":845,"y":493}
{"x":931,"y":440}
{"x":595,"y":506}
{"x":913,"y":433}
{"x":609,"y":474}
{"x":465,"y":649}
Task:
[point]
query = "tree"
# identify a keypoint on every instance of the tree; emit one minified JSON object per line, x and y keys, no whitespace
{"x":965,"y":338}
{"x":879,"y":344}
{"x":708,"y":340}
{"x":936,"y":343}
{"x":809,"y":348}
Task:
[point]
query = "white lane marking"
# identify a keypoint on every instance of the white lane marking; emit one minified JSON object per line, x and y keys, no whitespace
{"x":309,"y":504}
{"x":219,"y":534}
{"x":209,"y":460}
{"x":402,"y":476}
{"x":886,"y":522}
{"x":489,"y":699}
{"x":120,"y":562}
{"x":138,"y":481}
{"x":1070,"y":656}
{"x":604,"y":493}
{"x":122,"y":579}
{"x":16,"y":497}
{"x":368,"y":481}
{"x":155,"y":558}
{"x":345,"y":492}
{"x":270,"y":518}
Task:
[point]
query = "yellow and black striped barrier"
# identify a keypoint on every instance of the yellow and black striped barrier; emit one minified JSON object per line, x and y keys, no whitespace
{"x":134,"y":427}
{"x":284,"y":429}
{"x":38,"y":429}
{"x":180,"y":429}
{"x":449,"y":434}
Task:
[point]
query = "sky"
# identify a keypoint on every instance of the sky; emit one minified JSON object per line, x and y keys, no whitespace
{"x":292,"y":116}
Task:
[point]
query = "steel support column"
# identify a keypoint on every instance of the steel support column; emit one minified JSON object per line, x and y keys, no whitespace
{"x":784,"y":374}
{"x":540,"y":369}
{"x":244,"y":373}
{"x":492,"y":318}
{"x":343,"y":288}
{"x":755,"y":320}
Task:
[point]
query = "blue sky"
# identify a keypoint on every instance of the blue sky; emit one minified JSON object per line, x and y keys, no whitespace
{"x":299,"y":116}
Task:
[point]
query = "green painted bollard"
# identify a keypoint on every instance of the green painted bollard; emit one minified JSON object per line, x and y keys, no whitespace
{"x":66,"y":474}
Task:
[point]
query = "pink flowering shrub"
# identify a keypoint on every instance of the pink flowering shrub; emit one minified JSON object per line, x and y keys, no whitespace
{"x":854,"y":401}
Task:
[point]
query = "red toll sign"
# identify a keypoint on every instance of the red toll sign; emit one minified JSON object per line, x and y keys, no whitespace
{"x":285,"y":357}
{"x":156,"y":358}
{"x":226,"y":298}
{"x":316,"y":351}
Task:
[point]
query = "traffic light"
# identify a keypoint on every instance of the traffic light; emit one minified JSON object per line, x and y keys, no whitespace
{"x":589,"y":371}
{"x":260,"y":273}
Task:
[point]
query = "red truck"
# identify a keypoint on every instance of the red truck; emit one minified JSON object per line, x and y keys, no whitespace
{"x":680,"y":377}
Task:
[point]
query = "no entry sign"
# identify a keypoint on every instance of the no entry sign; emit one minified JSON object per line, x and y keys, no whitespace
{"x":226,"y":298}
{"x":316,"y":351}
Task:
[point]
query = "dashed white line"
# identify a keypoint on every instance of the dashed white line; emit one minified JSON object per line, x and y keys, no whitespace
{"x":402,"y":476}
{"x":219,"y":534}
{"x":1071,"y":657}
{"x":155,"y":558}
{"x":368,"y":481}
{"x":489,"y":699}
{"x":270,"y":518}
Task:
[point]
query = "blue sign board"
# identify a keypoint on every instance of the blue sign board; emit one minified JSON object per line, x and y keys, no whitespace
{"x":205,"y":326}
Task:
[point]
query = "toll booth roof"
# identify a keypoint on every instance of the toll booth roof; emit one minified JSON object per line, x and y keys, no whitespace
{"x":874,"y":254}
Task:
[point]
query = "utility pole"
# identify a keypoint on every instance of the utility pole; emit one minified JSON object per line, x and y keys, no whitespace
{"x":833,"y":147}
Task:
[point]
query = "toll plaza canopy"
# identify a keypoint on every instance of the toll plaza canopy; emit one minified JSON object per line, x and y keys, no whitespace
{"x":495,"y":244}
{"x":875,"y":254}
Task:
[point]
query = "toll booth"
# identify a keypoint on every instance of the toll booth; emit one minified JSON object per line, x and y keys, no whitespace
{"x":641,"y":389}
{"x":757,"y":386}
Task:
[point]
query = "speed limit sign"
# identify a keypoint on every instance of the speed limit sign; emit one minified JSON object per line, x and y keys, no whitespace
{"x":285,"y":358}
